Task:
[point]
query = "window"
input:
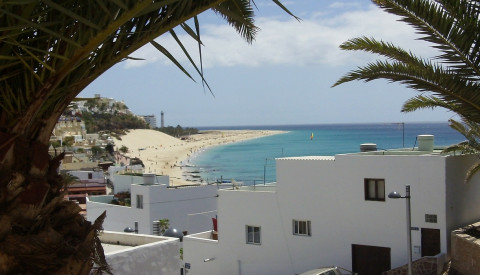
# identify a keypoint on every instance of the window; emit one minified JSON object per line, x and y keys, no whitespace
{"x":140,"y":201}
{"x":253,"y":234}
{"x":301,"y":228}
{"x":375,"y":189}
{"x":90,"y":176}
{"x":430,"y":218}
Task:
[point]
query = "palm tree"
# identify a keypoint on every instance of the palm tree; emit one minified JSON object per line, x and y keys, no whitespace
{"x":471,"y":131}
{"x":49,"y":52}
{"x":451,"y":79}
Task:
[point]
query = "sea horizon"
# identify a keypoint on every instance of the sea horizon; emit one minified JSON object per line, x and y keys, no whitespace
{"x":306,"y":125}
{"x":253,"y":161}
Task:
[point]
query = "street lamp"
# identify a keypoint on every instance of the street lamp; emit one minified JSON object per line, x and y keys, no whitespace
{"x":395,"y":195}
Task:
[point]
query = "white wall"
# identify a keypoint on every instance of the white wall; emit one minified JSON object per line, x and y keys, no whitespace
{"x":177,"y":205}
{"x":463,"y":200}
{"x":161,"y":257}
{"x":118,"y":217}
{"x":122,"y":183}
{"x":159,"y":202}
{"x":83,"y":175}
{"x":236,"y":209}
{"x":208,"y":250}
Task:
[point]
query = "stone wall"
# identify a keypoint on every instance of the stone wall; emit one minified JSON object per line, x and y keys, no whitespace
{"x":465,"y":252}
{"x":425,"y":266}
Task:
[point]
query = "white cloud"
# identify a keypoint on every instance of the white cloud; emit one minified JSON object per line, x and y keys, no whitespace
{"x":314,"y":40}
{"x":344,"y":4}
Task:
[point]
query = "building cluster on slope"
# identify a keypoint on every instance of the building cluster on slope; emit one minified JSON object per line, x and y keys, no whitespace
{"x":71,"y":125}
{"x":88,"y":155}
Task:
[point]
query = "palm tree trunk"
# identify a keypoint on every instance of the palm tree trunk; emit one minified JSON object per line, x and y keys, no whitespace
{"x":40,"y":232}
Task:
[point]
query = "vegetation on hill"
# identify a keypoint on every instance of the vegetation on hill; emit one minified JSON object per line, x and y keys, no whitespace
{"x":177,"y":131}
{"x":103,"y":114}
{"x":95,"y":122}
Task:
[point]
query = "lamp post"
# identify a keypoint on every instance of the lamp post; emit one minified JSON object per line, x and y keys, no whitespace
{"x":395,"y":195}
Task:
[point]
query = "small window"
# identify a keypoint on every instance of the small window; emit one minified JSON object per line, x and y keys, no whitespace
{"x":140,"y":201}
{"x":301,"y":228}
{"x":375,"y":189}
{"x":90,"y":176}
{"x":253,"y":234}
{"x":430,"y":218}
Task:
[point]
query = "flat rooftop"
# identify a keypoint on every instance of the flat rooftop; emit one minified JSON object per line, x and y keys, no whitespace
{"x":110,"y":248}
{"x":118,"y":241}
{"x":437,"y":151}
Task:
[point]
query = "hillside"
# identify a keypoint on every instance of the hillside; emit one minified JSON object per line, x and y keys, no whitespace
{"x":105,"y":114}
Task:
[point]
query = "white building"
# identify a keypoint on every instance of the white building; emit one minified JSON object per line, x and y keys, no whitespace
{"x":85,"y":175}
{"x":189,"y":208}
{"x":151,"y":120}
{"x":329,"y":211}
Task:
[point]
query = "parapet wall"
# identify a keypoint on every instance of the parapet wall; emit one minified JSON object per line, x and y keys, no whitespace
{"x":465,"y":251}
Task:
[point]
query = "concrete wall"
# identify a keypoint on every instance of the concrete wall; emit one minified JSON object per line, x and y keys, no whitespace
{"x":156,"y":256}
{"x":204,"y":262}
{"x":118,"y":217}
{"x":465,"y":252}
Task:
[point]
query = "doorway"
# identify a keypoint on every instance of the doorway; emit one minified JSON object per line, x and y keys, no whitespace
{"x":370,"y":260}
{"x":430,"y":242}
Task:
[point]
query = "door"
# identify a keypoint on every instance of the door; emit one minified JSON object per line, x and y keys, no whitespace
{"x":430,"y":242}
{"x":370,"y":260}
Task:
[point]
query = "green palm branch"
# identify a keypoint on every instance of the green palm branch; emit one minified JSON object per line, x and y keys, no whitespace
{"x":49,"y":52}
{"x":471,"y":131}
{"x":451,"y":79}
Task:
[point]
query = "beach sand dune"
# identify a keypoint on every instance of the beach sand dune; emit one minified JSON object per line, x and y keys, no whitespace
{"x":165,"y":155}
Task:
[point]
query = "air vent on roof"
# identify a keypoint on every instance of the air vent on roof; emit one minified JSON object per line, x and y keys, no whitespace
{"x":148,"y":179}
{"x":425,"y":142}
{"x":367,"y":147}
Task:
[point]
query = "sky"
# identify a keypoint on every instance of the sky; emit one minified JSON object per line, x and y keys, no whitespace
{"x":284,"y":77}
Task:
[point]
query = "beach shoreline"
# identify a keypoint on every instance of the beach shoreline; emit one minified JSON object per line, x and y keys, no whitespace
{"x":165,"y":155}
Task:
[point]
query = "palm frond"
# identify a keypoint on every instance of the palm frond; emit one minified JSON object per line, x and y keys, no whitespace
{"x":423,"y":102}
{"x":386,"y":49}
{"x":445,"y":32}
{"x":474,"y":169}
{"x":239,"y":14}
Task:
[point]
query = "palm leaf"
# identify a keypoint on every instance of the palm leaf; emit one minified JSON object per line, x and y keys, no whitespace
{"x":170,"y":56}
{"x":472,"y":171}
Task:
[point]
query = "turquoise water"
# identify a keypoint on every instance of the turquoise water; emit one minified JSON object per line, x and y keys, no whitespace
{"x":250,"y":161}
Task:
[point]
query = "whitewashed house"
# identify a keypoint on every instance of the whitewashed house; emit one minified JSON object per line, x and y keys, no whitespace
{"x":335,"y":210}
{"x":85,"y":175}
{"x":188,"y":208}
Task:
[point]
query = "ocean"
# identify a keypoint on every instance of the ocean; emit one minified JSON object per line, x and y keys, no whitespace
{"x":253,"y":161}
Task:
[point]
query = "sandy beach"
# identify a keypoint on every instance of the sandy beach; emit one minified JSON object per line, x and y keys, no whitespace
{"x":165,"y":155}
